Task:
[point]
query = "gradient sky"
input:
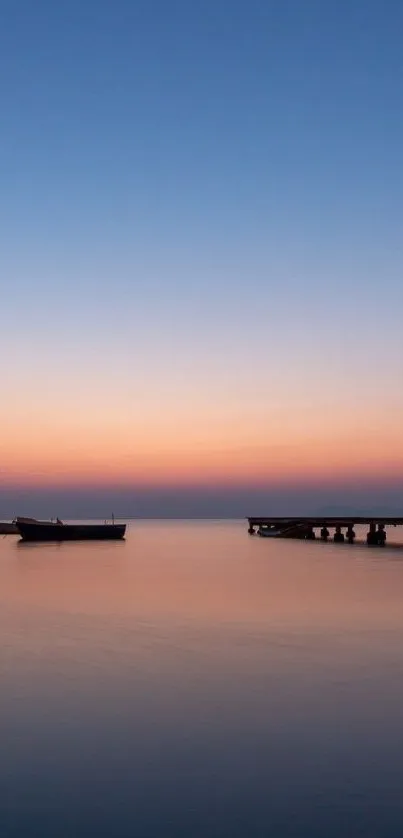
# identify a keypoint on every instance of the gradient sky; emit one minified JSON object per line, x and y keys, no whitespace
{"x":201,"y":248}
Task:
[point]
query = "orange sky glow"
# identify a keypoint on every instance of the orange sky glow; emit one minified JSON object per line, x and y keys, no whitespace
{"x":65,"y":454}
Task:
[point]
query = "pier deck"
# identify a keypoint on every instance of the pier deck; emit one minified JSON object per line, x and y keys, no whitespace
{"x":328,"y":520}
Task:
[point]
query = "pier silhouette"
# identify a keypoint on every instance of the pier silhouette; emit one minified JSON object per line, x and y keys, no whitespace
{"x":305,"y":527}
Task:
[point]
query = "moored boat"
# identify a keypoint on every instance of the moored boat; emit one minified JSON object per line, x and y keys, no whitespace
{"x":7,"y":528}
{"x":285,"y":530}
{"x":31,"y":530}
{"x":269,"y":532}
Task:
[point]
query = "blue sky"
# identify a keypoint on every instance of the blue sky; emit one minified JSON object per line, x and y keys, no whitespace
{"x":206,"y":197}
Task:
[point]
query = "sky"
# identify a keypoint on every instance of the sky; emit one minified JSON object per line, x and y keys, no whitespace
{"x":201,"y":254}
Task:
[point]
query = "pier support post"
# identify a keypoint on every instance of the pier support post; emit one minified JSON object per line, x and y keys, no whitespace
{"x":350,"y":534}
{"x":324,"y":533}
{"x":381,"y":535}
{"x":372,"y":537}
{"x":338,"y":537}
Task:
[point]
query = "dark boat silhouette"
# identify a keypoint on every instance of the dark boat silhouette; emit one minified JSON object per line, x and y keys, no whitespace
{"x":32,"y":530}
{"x":8,"y":529}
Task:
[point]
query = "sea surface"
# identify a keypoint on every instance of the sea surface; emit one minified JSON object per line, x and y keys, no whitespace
{"x":194,"y":681}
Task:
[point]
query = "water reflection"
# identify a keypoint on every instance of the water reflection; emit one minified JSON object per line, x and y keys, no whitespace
{"x":194,"y":681}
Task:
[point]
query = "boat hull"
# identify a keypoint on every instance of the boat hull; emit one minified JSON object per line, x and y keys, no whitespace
{"x":271,"y":535}
{"x":298,"y":531}
{"x":70,"y":532}
{"x":8,"y":529}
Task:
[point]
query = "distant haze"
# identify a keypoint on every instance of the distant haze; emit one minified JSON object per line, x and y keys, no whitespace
{"x":205,"y":502}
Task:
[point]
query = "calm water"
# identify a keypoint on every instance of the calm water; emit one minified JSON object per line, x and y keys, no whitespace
{"x":193,"y":681}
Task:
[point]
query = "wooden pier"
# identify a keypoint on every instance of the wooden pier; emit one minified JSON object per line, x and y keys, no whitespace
{"x":305,"y":527}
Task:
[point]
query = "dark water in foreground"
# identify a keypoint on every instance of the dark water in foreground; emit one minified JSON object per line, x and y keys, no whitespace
{"x":193,"y":681}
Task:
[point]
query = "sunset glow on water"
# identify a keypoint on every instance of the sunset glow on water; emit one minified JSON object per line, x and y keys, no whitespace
{"x":193,"y":680}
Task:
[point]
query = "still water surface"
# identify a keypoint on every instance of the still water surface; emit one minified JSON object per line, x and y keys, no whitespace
{"x":193,"y":681}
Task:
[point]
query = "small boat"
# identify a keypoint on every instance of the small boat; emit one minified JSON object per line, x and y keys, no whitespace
{"x":286,"y":530}
{"x":31,"y":530}
{"x":8,"y":529}
{"x":270,"y":532}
